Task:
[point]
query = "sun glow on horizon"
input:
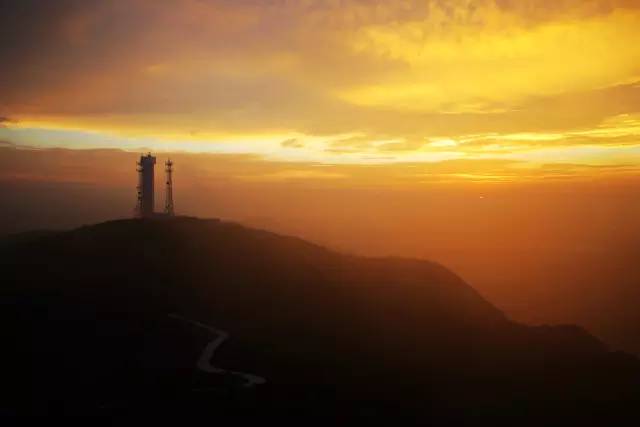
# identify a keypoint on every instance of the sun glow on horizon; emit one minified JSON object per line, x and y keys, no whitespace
{"x":389,"y":83}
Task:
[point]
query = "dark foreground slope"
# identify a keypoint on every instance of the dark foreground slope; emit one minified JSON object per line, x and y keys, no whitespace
{"x":115,"y":320}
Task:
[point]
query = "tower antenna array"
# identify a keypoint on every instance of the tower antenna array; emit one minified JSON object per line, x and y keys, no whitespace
{"x":169,"y":195}
{"x":138,"y":209}
{"x":145,"y":169}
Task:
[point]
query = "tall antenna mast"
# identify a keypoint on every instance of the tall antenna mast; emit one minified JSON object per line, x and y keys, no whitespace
{"x":138,"y":209}
{"x":145,"y":168}
{"x":169,"y":196}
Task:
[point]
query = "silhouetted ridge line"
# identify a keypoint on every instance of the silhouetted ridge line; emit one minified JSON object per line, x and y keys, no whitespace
{"x":393,"y":337}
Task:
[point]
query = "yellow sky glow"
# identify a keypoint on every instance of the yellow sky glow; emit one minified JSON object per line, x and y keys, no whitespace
{"x":527,"y":84}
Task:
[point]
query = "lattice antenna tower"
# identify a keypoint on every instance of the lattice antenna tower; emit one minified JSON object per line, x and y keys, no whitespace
{"x":168,"y":209}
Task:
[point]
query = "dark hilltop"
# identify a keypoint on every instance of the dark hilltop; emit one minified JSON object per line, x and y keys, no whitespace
{"x":184,"y":318}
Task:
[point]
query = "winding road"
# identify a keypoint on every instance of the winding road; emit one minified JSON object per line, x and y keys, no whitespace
{"x":204,"y":362}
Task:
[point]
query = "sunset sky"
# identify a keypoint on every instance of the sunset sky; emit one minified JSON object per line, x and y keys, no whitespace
{"x":460,"y":90}
{"x":498,"y":137}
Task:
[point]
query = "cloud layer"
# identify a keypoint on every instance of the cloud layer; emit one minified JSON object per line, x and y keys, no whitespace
{"x":328,"y":81}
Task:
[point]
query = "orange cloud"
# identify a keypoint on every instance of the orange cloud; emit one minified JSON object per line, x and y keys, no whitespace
{"x":353,"y":82}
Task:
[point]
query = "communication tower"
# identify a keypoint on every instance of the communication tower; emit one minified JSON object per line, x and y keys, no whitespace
{"x":168,"y":209}
{"x":145,"y":168}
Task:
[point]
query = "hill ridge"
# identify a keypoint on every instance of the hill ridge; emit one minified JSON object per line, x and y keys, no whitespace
{"x":303,"y":316}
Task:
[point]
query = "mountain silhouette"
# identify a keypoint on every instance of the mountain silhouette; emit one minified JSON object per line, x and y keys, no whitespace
{"x":185,"y":317}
